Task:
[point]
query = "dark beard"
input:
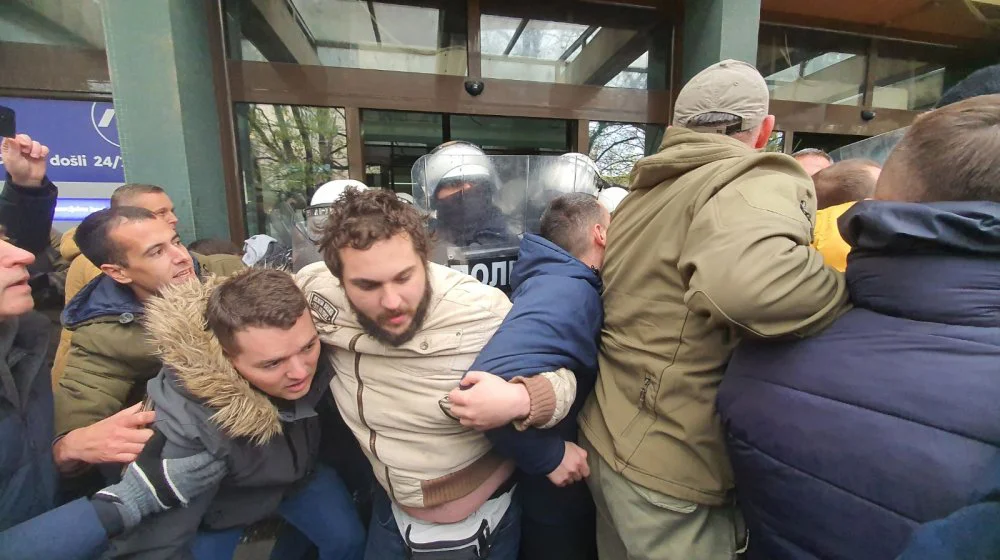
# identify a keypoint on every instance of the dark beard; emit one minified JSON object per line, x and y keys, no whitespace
{"x":372,"y":327}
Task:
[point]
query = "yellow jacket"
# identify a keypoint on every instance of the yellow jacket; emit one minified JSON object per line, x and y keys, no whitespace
{"x":827,"y":239}
{"x":81,"y":271}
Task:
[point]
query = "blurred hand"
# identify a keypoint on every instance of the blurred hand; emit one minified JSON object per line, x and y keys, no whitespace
{"x":486,"y":401}
{"x":116,"y":439}
{"x":24,"y":159}
{"x":573,"y":467}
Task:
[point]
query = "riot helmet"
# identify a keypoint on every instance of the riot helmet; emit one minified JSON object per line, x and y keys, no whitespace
{"x":322,"y":200}
{"x":611,"y":197}
{"x":573,"y":172}
{"x":460,"y":182}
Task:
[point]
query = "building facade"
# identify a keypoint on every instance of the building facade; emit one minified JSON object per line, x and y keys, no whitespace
{"x":236,"y":106}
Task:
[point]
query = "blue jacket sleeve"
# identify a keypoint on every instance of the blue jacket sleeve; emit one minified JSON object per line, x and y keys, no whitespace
{"x":69,"y":532}
{"x":553,"y":324}
{"x":26,"y":214}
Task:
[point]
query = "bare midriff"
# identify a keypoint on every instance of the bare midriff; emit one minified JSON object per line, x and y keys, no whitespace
{"x":457,"y":510}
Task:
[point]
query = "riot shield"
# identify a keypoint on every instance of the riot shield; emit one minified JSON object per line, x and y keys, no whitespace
{"x":480,"y":206}
{"x":875,"y":148}
{"x":297,"y":236}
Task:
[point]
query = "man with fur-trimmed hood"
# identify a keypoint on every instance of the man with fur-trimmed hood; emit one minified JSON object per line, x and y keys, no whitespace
{"x":240,"y":381}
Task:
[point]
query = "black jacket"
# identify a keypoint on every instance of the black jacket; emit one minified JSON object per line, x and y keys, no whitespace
{"x":26,"y":214}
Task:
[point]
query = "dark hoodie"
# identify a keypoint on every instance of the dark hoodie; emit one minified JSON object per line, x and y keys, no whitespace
{"x":843,"y":444}
{"x":555,"y":323}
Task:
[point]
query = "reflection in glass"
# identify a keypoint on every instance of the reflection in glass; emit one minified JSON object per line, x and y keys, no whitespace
{"x":585,"y":49}
{"x":812,"y":66}
{"x":512,"y":135}
{"x":428,"y":38}
{"x":616,"y":147}
{"x":393,"y":141}
{"x":909,"y":77}
{"x":776,"y":143}
{"x":286,"y":152}
{"x":41,"y":22}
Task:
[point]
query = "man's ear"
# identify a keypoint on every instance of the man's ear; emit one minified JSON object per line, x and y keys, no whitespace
{"x":600,"y":235}
{"x":117,"y":273}
{"x":766,"y":128}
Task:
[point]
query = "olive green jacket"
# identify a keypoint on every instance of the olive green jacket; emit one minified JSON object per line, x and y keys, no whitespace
{"x":710,"y":245}
{"x":110,"y":359}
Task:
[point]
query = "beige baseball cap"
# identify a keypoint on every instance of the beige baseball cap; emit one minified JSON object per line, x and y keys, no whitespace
{"x":730,"y":86}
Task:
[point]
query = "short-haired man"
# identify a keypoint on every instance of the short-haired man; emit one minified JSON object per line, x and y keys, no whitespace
{"x":844,"y":443}
{"x":838,"y":188}
{"x":555,"y":322}
{"x":110,"y":359}
{"x":81,"y":271}
{"x":711,"y":245}
{"x":404,"y":332}
{"x":813,"y":160}
{"x":845,"y":182}
{"x":244,"y":389}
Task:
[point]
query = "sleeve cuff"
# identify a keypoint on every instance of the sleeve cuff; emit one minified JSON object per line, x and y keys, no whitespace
{"x":543,"y":401}
{"x":45,"y":190}
{"x":110,"y":518}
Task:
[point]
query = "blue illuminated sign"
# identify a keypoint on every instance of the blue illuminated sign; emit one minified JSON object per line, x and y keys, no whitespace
{"x":76,"y":209}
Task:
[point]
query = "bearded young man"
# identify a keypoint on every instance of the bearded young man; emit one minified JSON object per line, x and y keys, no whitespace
{"x":404,"y":332}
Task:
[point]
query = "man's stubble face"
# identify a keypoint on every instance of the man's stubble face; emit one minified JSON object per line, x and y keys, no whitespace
{"x":388,"y":289}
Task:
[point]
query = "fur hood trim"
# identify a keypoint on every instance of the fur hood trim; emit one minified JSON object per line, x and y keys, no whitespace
{"x":176,"y":324}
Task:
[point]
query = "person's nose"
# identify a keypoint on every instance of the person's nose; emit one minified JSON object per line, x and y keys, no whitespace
{"x":181,"y":255}
{"x":11,"y":255}
{"x":391,"y":299}
{"x":298,"y":369}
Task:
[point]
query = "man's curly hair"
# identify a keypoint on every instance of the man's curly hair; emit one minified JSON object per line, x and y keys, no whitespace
{"x":360,"y":218}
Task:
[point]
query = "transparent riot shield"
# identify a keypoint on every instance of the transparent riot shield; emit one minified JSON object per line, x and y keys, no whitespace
{"x":875,"y":148}
{"x":480,"y":206}
{"x":297,"y":237}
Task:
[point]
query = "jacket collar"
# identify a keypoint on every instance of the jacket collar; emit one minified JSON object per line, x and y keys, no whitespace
{"x":932,"y":262}
{"x":175,"y":322}
{"x":23,"y":344}
{"x":540,"y":257}
{"x":103,"y":297}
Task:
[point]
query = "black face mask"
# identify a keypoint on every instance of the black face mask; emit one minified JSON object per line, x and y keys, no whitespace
{"x":467,"y":211}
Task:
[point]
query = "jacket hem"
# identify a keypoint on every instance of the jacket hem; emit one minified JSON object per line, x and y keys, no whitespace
{"x":646,"y":480}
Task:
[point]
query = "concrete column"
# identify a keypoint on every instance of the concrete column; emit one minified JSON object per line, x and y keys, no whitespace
{"x":715,"y":30}
{"x":168,"y":122}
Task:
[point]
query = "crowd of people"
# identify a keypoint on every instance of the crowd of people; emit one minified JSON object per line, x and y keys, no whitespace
{"x":749,"y":355}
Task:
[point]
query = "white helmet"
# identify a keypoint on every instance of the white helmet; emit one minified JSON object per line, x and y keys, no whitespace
{"x":456,"y":161}
{"x":328,"y":193}
{"x":572,"y":172}
{"x":611,"y":197}
{"x":405,"y":197}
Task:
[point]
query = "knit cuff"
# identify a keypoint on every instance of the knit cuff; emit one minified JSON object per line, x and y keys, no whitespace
{"x":543,"y":401}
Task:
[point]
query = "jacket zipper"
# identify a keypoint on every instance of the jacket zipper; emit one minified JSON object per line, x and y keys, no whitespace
{"x":361,"y":390}
{"x":642,"y":393}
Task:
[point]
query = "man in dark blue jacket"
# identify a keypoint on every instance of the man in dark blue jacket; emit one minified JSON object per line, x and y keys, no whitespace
{"x":845,"y":443}
{"x":555,"y":323}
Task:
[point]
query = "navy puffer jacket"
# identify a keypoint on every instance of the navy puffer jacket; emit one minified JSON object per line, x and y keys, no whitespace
{"x":844,"y":443}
